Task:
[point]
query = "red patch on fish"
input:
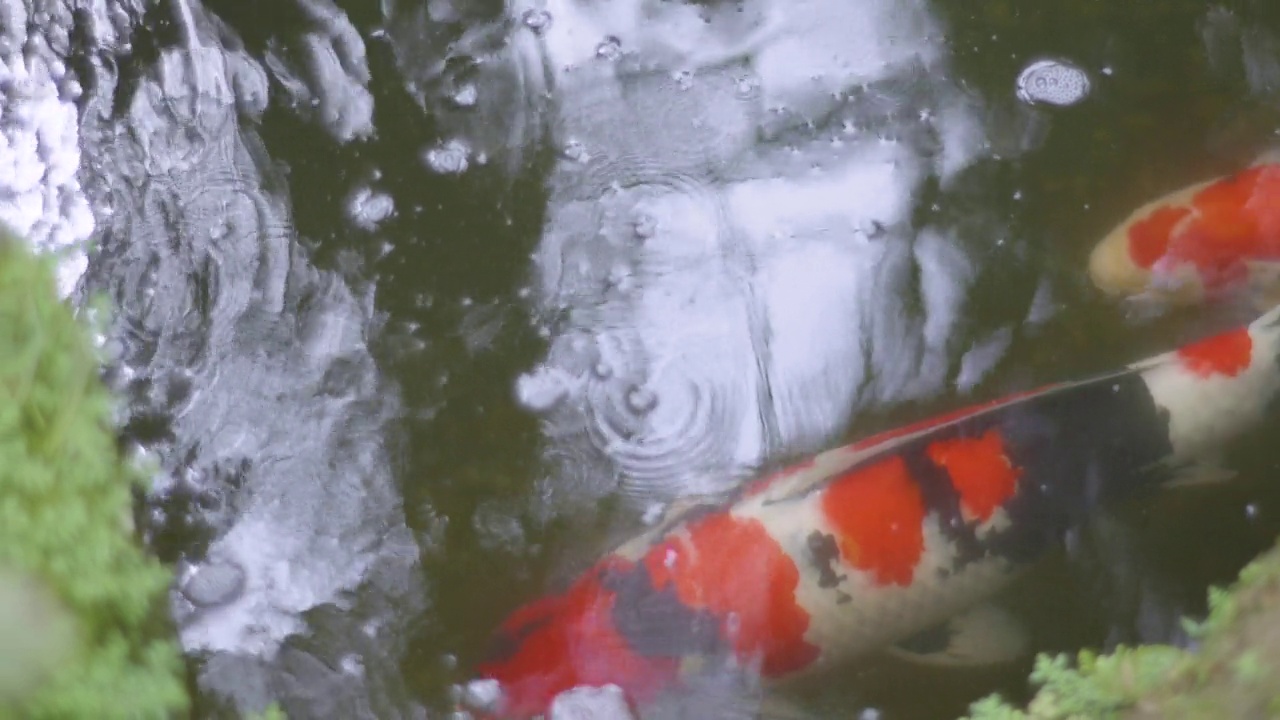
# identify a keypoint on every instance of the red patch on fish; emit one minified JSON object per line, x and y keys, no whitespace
{"x":734,"y":569}
{"x":1227,"y":354}
{"x":570,"y":639}
{"x":1227,"y":223}
{"x":979,"y":470}
{"x":1149,"y":237}
{"x":877,"y":513}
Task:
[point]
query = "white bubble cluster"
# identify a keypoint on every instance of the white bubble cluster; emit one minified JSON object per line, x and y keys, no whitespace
{"x":452,"y":157}
{"x":1052,"y":82}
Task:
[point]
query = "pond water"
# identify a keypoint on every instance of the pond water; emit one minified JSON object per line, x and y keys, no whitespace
{"x":419,"y":310}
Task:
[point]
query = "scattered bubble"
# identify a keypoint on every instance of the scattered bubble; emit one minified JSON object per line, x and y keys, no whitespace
{"x":1251,"y":511}
{"x":537,"y":20}
{"x":366,"y":209}
{"x":747,"y":87}
{"x":1052,"y":82}
{"x":683,"y":78}
{"x":609,"y":49}
{"x":450,"y":158}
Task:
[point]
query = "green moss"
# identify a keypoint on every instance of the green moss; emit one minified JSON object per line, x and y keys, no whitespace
{"x":65,"y":528}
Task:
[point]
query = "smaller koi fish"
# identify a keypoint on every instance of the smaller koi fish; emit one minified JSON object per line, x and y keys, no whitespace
{"x":1203,"y":242}
{"x":885,"y":542}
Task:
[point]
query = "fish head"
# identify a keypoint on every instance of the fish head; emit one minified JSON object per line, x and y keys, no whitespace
{"x":1209,"y":241}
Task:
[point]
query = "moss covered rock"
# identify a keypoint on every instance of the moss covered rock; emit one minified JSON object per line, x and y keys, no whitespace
{"x":81,"y":598}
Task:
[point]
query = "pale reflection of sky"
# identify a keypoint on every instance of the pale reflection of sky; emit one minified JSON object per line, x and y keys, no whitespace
{"x":776,"y":283}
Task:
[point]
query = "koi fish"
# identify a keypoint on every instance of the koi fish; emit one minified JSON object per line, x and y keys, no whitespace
{"x":1205,"y":241}
{"x":869,"y":545}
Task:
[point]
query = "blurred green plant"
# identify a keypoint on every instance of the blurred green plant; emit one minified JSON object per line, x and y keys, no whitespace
{"x":83,"y":632}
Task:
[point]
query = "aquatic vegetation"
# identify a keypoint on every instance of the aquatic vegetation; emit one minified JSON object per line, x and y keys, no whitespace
{"x":80,"y":591}
{"x":1234,"y":671}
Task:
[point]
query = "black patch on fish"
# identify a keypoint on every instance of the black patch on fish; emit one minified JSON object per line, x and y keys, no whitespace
{"x":655,"y":622}
{"x":943,"y":500}
{"x":823,"y":552}
{"x":1090,"y":445}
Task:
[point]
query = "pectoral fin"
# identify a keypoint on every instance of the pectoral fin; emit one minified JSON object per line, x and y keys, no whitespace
{"x":984,"y":635}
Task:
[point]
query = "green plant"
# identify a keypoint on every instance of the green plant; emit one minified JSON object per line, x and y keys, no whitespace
{"x":82,"y":606}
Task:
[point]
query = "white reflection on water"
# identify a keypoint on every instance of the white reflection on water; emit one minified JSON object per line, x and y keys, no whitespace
{"x":730,"y":265}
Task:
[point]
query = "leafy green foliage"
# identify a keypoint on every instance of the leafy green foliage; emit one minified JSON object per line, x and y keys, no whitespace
{"x":65,"y":520}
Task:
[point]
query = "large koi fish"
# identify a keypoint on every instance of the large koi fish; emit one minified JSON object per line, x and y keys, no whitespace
{"x":866,"y":546}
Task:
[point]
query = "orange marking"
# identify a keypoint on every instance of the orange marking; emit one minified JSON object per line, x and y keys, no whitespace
{"x":1226,"y":354}
{"x":1149,"y":237}
{"x":737,"y":571}
{"x":877,"y":513}
{"x":1226,"y":224}
{"x":979,"y":470}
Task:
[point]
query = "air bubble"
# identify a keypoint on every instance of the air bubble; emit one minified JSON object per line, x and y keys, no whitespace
{"x":609,"y":49}
{"x":451,"y":158}
{"x":366,"y":209}
{"x":1052,"y":82}
{"x":537,"y":20}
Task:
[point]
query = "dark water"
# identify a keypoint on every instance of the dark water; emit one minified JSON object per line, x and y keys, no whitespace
{"x":379,"y":435}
